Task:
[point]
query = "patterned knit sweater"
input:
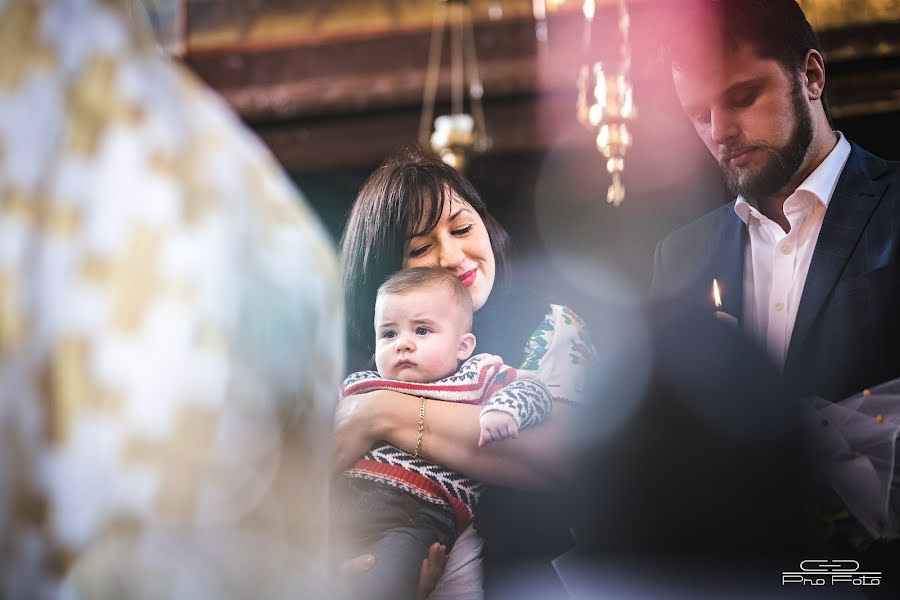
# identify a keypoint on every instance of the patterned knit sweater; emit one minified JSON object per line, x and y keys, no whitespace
{"x":483,"y":379}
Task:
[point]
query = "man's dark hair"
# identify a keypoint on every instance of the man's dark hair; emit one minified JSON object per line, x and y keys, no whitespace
{"x":776,"y":29}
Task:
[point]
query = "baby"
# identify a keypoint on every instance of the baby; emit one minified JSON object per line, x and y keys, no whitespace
{"x":399,"y":504}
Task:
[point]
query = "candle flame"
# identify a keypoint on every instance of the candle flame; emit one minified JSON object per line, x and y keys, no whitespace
{"x":717,"y":297}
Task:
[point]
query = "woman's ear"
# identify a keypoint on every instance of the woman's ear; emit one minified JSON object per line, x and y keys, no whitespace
{"x":466,"y":346}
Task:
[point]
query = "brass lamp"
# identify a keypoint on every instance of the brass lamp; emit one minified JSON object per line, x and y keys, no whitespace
{"x":459,"y":135}
{"x":609,"y":108}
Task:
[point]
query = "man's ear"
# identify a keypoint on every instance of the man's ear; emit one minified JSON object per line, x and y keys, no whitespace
{"x":814,"y":71}
{"x":466,"y":346}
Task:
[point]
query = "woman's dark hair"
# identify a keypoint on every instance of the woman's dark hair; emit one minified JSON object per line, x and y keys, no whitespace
{"x":404,"y":197}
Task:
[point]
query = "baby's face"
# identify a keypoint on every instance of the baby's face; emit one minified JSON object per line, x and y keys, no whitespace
{"x":419,"y":336}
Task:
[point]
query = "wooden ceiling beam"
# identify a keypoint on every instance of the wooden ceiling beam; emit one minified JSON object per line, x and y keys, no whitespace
{"x":353,"y":101}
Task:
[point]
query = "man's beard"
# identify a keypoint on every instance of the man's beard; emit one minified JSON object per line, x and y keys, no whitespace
{"x":781,"y":164}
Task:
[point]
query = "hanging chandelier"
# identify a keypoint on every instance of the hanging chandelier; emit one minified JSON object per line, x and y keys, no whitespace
{"x":609,"y":109}
{"x":457,"y":136}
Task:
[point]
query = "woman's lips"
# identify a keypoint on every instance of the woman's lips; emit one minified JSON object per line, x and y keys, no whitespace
{"x":468,"y":278}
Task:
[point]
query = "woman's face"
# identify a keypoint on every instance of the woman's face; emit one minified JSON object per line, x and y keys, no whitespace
{"x":460,"y":244}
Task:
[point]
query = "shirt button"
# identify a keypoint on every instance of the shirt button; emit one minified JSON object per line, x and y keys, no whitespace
{"x":779,"y":306}
{"x":786,"y":248}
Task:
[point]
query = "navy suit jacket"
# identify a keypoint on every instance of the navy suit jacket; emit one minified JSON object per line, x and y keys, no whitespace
{"x":847,"y":333}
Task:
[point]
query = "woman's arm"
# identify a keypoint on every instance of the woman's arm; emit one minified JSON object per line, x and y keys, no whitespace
{"x":450,"y":438}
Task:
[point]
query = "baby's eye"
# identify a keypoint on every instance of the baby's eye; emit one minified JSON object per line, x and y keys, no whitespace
{"x":422,"y":331}
{"x":390,"y":333}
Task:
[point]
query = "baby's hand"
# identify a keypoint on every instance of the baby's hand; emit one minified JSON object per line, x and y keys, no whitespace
{"x":497,"y":425}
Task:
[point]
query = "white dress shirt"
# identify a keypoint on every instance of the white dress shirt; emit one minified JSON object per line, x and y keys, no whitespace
{"x":776,"y":263}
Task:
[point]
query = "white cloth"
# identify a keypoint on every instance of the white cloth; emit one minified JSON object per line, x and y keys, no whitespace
{"x":855,"y":452}
{"x":776,"y":263}
{"x":463,"y":575}
{"x":170,"y":326}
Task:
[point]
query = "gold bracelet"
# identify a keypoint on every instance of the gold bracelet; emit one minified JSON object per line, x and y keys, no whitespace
{"x":421,"y":427}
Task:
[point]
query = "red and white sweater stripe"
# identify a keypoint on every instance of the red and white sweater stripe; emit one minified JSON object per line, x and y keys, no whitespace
{"x":483,"y":379}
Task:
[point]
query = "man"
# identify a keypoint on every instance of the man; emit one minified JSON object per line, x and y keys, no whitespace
{"x":806,"y":255}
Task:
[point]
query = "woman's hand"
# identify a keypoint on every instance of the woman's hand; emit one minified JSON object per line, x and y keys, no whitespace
{"x":354,"y":431}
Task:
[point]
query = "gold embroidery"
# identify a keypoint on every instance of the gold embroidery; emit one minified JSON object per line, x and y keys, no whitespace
{"x":60,"y":220}
{"x":93,"y":103}
{"x":201,"y":197}
{"x":183,"y":460}
{"x":16,"y":203}
{"x":12,"y":327}
{"x":132,"y":277}
{"x":75,"y":391}
{"x":21,"y":49}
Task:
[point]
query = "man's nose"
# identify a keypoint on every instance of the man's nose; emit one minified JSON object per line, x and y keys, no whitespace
{"x":723,"y":126}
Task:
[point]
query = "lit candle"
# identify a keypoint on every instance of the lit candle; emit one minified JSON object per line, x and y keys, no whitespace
{"x":717,"y":301}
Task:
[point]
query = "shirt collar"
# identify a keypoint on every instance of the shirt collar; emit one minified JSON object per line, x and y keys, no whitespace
{"x":821,"y":182}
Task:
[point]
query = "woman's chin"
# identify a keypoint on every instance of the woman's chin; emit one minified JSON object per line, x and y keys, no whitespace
{"x":479,"y":296}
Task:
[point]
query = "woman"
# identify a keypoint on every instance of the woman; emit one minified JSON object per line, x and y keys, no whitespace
{"x":417,"y":211}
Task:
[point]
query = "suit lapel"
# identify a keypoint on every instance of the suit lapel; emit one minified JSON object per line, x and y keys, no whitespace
{"x":728,"y":261}
{"x":855,"y":198}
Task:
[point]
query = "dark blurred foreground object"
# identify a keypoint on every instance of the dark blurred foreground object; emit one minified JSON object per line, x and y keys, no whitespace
{"x":702,"y":492}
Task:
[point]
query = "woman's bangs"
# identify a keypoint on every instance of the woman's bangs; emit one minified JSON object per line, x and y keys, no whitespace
{"x":426,"y":204}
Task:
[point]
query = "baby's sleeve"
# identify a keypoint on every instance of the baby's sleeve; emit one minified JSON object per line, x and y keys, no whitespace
{"x":519,"y":394}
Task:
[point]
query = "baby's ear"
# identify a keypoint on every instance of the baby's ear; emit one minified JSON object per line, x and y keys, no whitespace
{"x":466,"y":346}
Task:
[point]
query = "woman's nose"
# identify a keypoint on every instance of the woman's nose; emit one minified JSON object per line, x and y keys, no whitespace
{"x":451,"y":255}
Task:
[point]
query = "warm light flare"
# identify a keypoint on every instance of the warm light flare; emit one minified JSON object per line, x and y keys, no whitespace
{"x":717,"y":297}
{"x":588,"y":9}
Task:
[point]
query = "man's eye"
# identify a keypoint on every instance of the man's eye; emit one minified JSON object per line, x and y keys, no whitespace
{"x":422,"y":331}
{"x":744,"y":100}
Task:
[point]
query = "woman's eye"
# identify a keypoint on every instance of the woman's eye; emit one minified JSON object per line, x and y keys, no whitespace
{"x":462,"y":230}
{"x":422,"y":331}
{"x":420,"y":251}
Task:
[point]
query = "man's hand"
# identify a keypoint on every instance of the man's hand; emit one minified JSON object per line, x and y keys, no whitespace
{"x":497,"y":425}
